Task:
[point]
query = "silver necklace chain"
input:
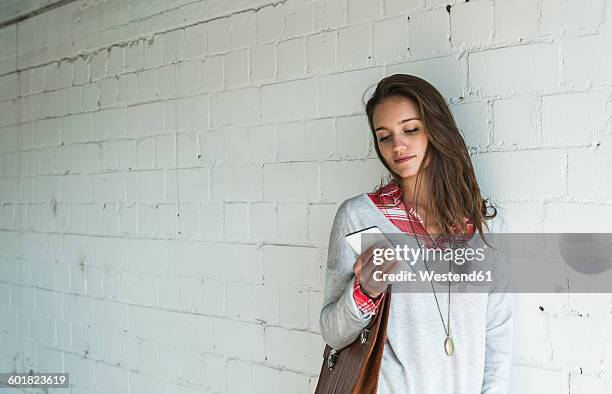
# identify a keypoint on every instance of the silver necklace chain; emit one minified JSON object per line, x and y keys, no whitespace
{"x":446,"y":331}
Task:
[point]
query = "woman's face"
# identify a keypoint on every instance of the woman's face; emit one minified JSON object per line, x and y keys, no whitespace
{"x":400,"y":135}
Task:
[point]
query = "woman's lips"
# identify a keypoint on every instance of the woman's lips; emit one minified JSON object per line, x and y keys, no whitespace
{"x":403,"y":159}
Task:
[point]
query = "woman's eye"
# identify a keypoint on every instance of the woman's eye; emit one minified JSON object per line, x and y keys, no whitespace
{"x":409,"y":131}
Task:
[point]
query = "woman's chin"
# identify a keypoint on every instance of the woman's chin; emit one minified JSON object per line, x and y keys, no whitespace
{"x":406,"y":174}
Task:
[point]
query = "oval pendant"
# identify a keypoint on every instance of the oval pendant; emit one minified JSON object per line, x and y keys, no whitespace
{"x":449,"y":347}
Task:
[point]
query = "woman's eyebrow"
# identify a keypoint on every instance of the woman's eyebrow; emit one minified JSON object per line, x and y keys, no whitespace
{"x":399,"y":123}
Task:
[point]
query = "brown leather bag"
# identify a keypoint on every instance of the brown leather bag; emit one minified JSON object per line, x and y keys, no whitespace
{"x":355,"y":368}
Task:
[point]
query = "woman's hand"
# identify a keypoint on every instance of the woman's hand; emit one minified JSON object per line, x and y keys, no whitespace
{"x":365,"y":268}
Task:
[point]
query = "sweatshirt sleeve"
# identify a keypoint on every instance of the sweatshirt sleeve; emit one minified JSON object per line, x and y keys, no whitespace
{"x":340,"y":321}
{"x":499,"y":331}
{"x":498,"y":352}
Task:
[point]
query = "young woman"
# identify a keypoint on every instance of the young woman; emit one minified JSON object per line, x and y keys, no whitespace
{"x":435,"y":343}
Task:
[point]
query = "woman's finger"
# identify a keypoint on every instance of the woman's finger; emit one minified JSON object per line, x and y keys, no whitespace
{"x":368,"y":270}
{"x":362,"y":259}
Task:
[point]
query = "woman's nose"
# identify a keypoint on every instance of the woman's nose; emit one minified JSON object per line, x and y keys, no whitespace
{"x":398,"y":144}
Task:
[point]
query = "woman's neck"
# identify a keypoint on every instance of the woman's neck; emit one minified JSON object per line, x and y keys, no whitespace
{"x":408,"y":186}
{"x":418,"y":200}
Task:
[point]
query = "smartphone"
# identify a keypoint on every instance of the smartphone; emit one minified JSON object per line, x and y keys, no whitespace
{"x":354,"y":239}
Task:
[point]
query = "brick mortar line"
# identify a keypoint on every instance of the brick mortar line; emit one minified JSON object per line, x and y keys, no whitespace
{"x":476,"y":48}
{"x":142,"y":36}
{"x":35,"y":12}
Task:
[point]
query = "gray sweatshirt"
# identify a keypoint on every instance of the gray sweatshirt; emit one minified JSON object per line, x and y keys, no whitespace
{"x":414,"y":360}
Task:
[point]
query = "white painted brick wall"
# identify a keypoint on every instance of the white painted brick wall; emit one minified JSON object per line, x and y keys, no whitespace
{"x":169,"y":173}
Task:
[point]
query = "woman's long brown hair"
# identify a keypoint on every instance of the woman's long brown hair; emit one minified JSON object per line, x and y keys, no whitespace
{"x":451,"y":186}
